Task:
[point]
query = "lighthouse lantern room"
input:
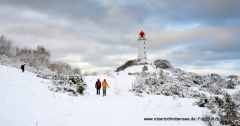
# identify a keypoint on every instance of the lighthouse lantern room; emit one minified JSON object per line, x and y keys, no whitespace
{"x":142,"y":50}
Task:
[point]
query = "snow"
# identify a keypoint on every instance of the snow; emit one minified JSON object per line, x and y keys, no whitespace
{"x":137,"y":68}
{"x":26,"y":101}
{"x":232,"y":91}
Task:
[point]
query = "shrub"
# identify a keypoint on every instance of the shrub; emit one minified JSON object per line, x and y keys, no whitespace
{"x":81,"y":89}
{"x":164,"y":64}
{"x":229,"y":114}
{"x":145,"y":68}
{"x":71,"y":84}
{"x":230,"y":84}
{"x":236,"y":97}
{"x":227,"y":109}
{"x":126,"y":65}
{"x":202,"y":101}
{"x":129,"y":73}
{"x":208,"y":119}
{"x":219,"y":101}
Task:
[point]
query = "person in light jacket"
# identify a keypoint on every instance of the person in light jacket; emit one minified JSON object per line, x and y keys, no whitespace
{"x":104,"y":87}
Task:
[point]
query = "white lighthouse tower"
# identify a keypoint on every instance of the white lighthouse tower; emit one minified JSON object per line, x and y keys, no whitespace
{"x":142,"y":50}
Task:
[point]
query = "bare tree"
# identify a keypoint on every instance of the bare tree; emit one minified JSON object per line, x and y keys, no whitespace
{"x":68,"y":69}
{"x":5,"y":46}
{"x":39,"y":58}
{"x":94,"y":73}
{"x":76,"y":71}
{"x":61,"y":68}
{"x":86,"y":73}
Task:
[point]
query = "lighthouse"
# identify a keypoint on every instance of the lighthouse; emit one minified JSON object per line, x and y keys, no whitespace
{"x":142,"y":50}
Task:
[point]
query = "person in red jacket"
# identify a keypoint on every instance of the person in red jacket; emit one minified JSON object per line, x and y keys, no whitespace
{"x":98,"y":86}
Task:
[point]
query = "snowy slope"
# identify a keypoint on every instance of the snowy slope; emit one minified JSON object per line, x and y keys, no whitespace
{"x":26,"y":101}
{"x":137,"y":68}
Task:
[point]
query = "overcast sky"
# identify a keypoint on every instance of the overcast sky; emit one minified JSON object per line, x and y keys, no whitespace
{"x":201,"y":36}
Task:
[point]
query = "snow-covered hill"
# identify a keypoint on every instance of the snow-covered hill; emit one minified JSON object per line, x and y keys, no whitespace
{"x":137,"y":68}
{"x":25,"y":100}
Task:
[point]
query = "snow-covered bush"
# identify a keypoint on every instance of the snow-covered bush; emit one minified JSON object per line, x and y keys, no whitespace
{"x":212,"y":84}
{"x":230,"y":112}
{"x":164,"y":64}
{"x":62,"y":68}
{"x":81,"y":88}
{"x":39,"y":58}
{"x":77,"y":71}
{"x":129,"y":63}
{"x":45,"y":74}
{"x":202,"y":101}
{"x":208,"y":118}
{"x":236,"y":97}
{"x":145,"y":68}
{"x":226,"y":109}
{"x":73,"y":84}
{"x":139,"y":84}
{"x":10,"y":61}
{"x":6,"y":47}
{"x":161,"y":84}
{"x":232,"y":82}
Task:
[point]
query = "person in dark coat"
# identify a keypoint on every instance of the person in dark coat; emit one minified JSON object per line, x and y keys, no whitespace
{"x":22,"y":67}
{"x":98,"y":86}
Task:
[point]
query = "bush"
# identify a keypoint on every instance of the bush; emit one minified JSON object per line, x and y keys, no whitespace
{"x":208,"y":119}
{"x":72,"y":84}
{"x":229,"y":113}
{"x":236,"y":97}
{"x":219,"y":101}
{"x":230,"y":84}
{"x":203,"y":100}
{"x":81,"y":89}
{"x":227,"y":109}
{"x":145,"y":68}
{"x":212,"y":84}
{"x":129,"y":73}
{"x":126,"y":65}
{"x":164,"y":64}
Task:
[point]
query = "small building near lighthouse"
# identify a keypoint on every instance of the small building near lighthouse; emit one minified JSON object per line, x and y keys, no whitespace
{"x":142,"y":49}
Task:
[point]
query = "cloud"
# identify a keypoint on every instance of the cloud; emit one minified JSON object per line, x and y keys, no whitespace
{"x":100,"y":35}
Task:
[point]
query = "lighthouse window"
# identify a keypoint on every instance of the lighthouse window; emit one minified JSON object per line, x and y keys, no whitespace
{"x":144,"y":47}
{"x":144,"y":42}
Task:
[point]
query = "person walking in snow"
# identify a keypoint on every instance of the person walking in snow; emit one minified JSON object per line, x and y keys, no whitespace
{"x":104,"y":85}
{"x":22,"y":67}
{"x":98,"y":86}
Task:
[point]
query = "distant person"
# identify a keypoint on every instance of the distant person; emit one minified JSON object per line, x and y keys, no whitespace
{"x":98,"y":86}
{"x":104,"y":85}
{"x":22,"y":67}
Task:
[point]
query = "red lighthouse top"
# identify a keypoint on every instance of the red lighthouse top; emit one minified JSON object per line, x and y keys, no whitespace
{"x":141,"y":33}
